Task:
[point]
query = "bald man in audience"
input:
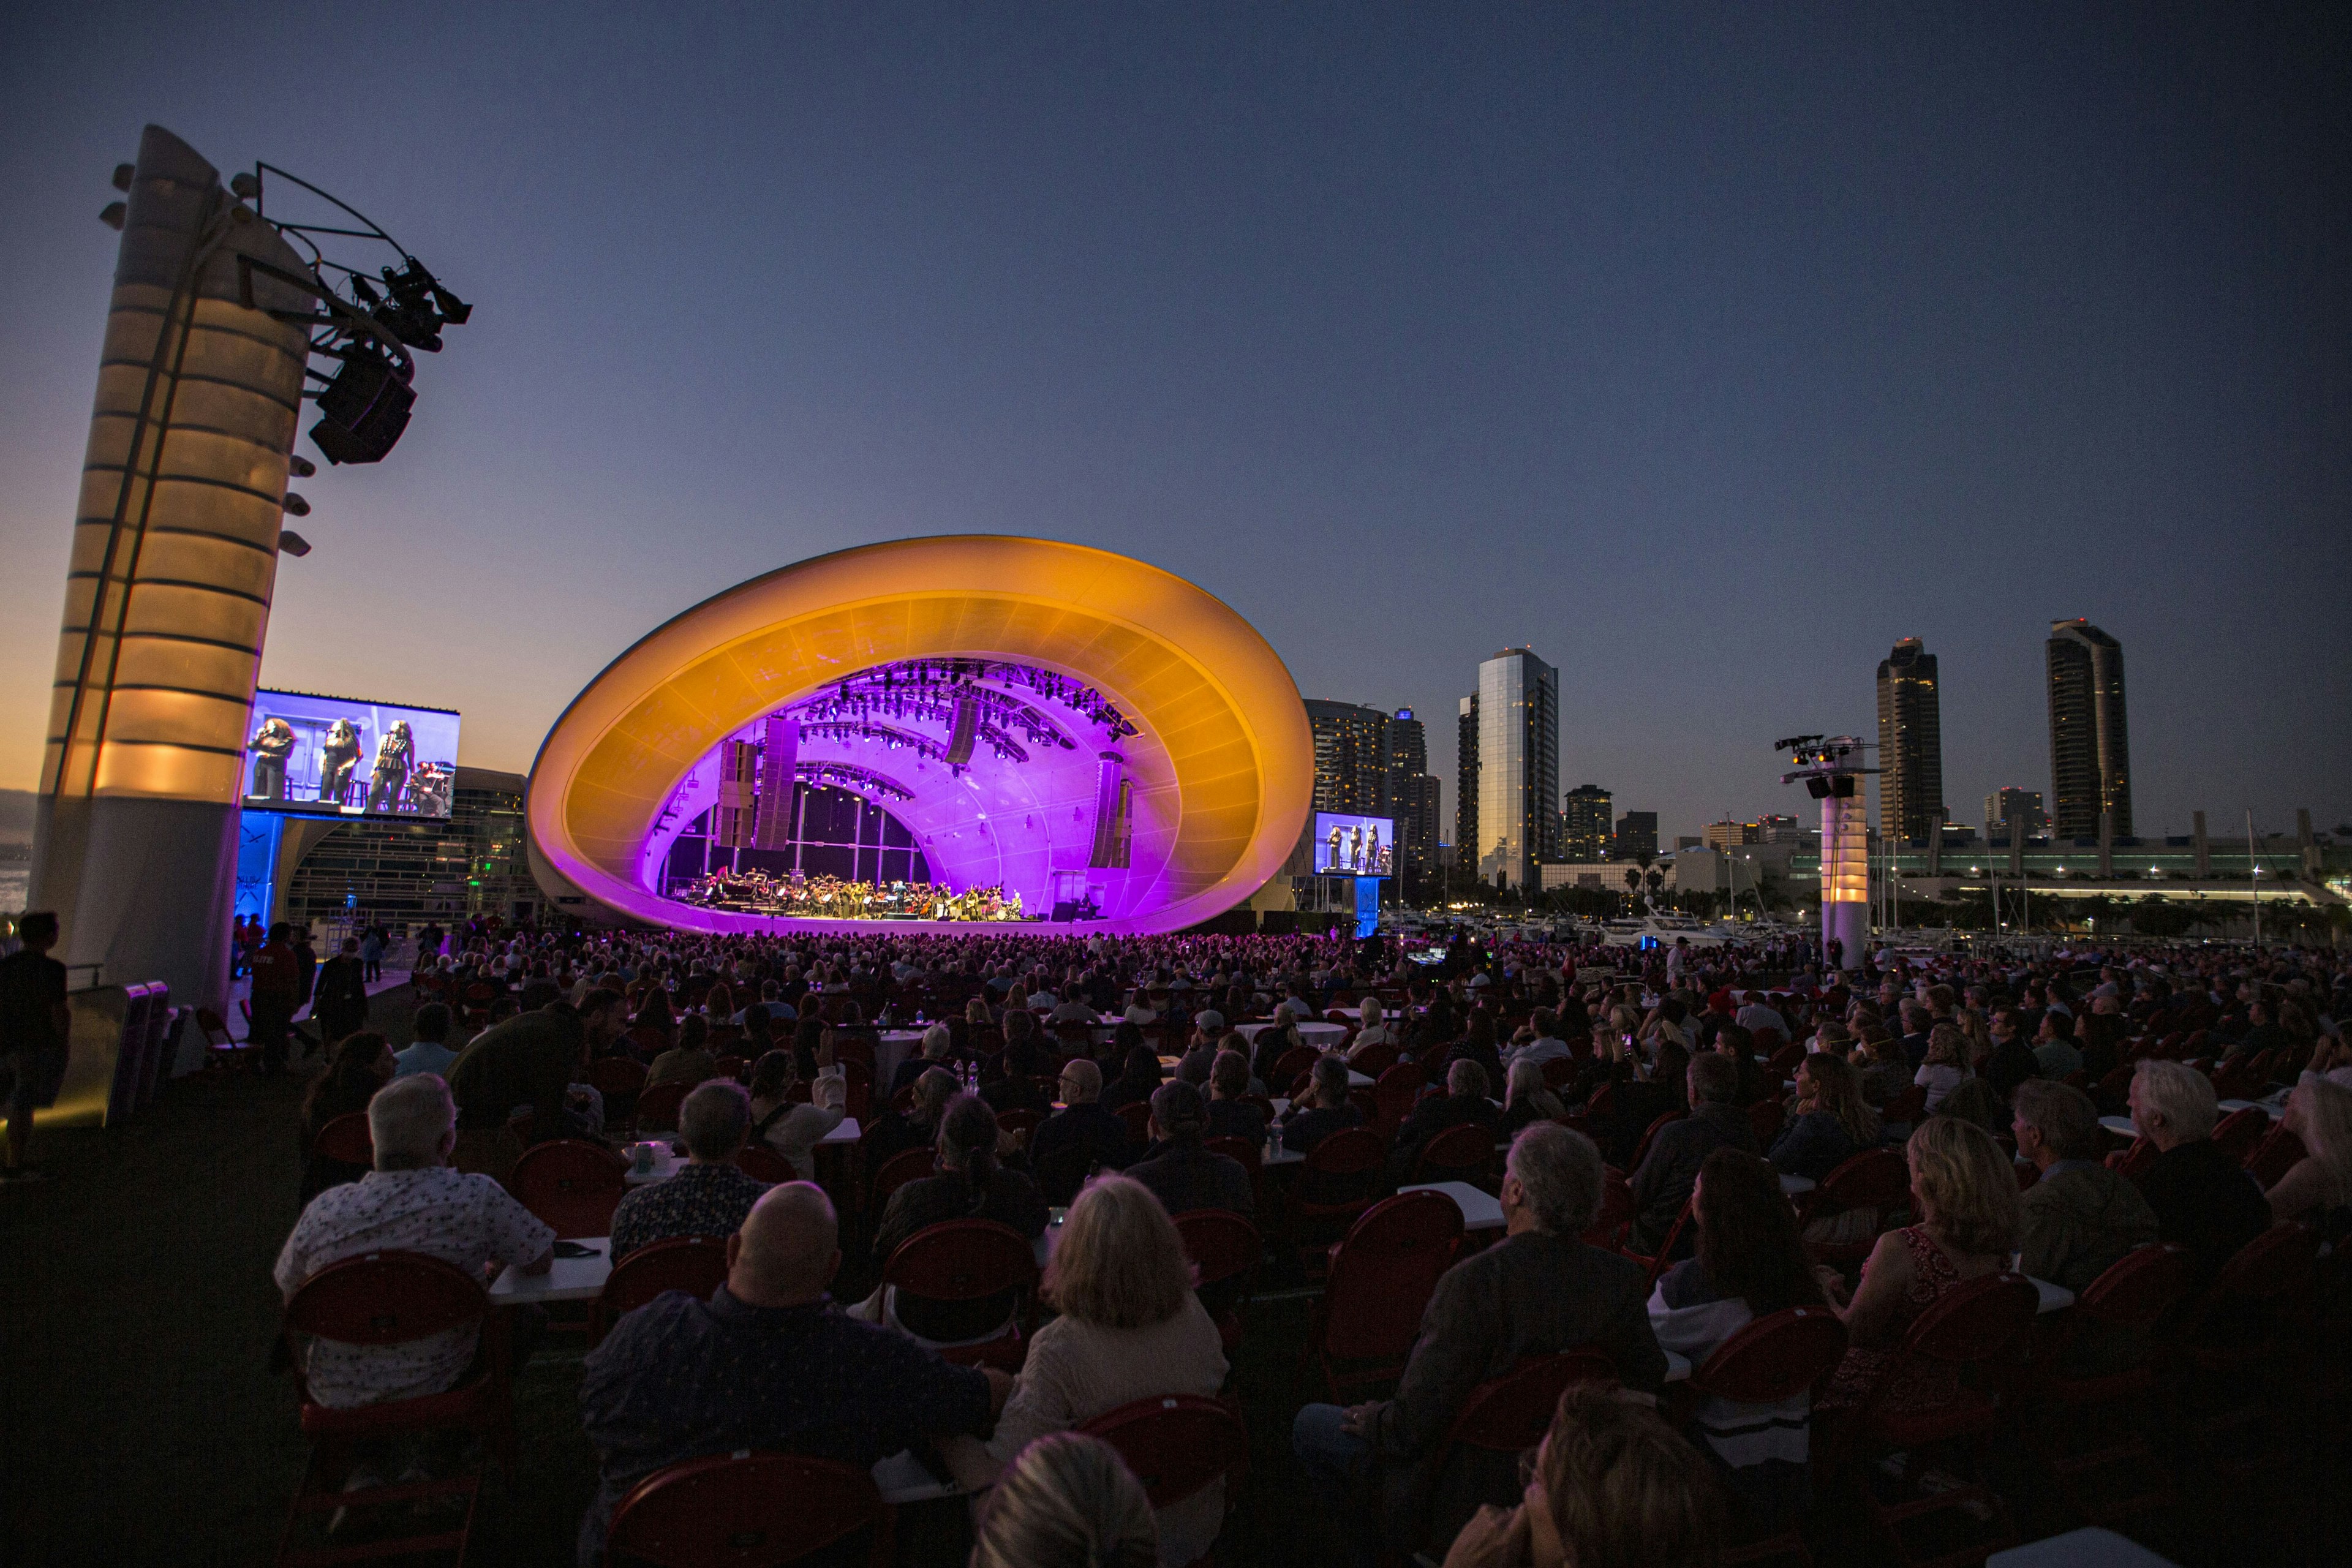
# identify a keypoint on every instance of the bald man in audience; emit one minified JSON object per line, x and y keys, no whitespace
{"x":766,"y":1363}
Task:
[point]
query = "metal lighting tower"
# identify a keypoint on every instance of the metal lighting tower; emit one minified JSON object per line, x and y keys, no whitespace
{"x":215,"y":316}
{"x":1825,"y":764}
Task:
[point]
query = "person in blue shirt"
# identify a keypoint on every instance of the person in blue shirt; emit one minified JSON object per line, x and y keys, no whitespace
{"x":431,"y":1053}
{"x":768,"y":1361}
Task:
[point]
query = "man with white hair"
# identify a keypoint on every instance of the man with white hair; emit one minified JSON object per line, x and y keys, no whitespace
{"x":2203,"y":1199}
{"x":411,"y":1202}
{"x":1539,"y":1291}
{"x":710,"y":1194}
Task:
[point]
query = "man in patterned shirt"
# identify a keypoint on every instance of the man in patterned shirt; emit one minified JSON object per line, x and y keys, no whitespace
{"x":412,"y":1202}
{"x":708,"y":1196}
{"x":767,"y":1363}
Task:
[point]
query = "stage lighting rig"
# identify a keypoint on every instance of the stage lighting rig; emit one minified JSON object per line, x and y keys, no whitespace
{"x":368,"y":331}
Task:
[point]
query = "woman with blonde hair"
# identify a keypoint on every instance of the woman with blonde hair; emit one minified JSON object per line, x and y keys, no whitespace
{"x":1969,"y":1220}
{"x":1829,"y":1121}
{"x":1068,"y":1501}
{"x":1946,"y":1066}
{"x":2319,"y":1113}
{"x":1612,"y":1485}
{"x":1129,"y":1328}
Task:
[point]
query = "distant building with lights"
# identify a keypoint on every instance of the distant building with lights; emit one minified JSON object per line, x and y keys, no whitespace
{"x":1910,"y":744}
{"x":1516,"y":735}
{"x":1351,"y":757}
{"x":1587,"y":833}
{"x":2090,"y":741}
{"x":1637,"y":835}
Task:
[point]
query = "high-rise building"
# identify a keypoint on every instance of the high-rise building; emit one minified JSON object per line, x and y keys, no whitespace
{"x":1519,"y":768}
{"x":1585,"y":828}
{"x":2025,"y":805}
{"x":2090,"y":745}
{"x":1637,"y":835}
{"x":1910,"y":743}
{"x":1413,"y":793}
{"x":1730,"y":834}
{"x":1351,"y":757}
{"x":1781,"y":830}
{"x":1465,"y":784}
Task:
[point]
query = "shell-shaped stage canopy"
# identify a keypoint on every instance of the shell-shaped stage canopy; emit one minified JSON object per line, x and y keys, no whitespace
{"x":1037,"y":717}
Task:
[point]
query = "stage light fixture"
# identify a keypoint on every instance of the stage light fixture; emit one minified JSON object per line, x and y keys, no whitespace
{"x":243,"y":186}
{"x":112,"y":214}
{"x":295,"y":506}
{"x":365,"y":407}
{"x":292,"y":544}
{"x":301,"y":467}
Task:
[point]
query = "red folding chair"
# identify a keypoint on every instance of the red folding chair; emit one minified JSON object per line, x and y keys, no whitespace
{"x":620,"y":1080}
{"x":1764,"y":1119}
{"x":1376,"y":1060}
{"x":1293,"y":1064}
{"x":1394,"y":1089}
{"x":2128,"y":1299}
{"x":1019,"y":1121}
{"x":906,"y":1165}
{"x":2278,"y":1153}
{"x":695,"y":1264}
{"x":1250,"y":1157}
{"x":1611,"y":1225}
{"x":1383,"y":1274}
{"x":381,"y":1300}
{"x":732,"y":1067}
{"x":858,"y":1079}
{"x":1464,"y":1153}
{"x":657,"y":1107}
{"x":2245,"y":1341}
{"x":2237,"y":1133}
{"x":1559,"y":1072}
{"x":763,"y":1164}
{"x":1137,"y":1114}
{"x":1909,"y":1107}
{"x":1773,"y":1359}
{"x":1225,"y":1250}
{"x":1350,"y":1162}
{"x":1665,"y":1258}
{"x":571,"y":1184}
{"x":1178,"y":1446}
{"x":1972,"y":1325}
{"x":1650,"y":1134}
{"x":748,"y":1510}
{"x":346,"y":1138}
{"x":1505,"y":1416}
{"x":1876,"y":1178}
{"x":969,"y":1260}
{"x":221,"y":1053}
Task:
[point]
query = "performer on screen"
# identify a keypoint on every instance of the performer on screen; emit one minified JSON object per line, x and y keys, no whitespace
{"x":1372,"y":850}
{"x":272,"y":744}
{"x":396,"y":753}
{"x":1336,"y":833}
{"x":337,"y":757}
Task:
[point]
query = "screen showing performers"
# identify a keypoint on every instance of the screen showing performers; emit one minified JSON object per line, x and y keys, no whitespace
{"x":340,"y":756}
{"x":1354,"y":845}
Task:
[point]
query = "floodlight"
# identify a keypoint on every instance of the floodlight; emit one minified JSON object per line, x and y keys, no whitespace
{"x":301,"y":467}
{"x":112,"y":213}
{"x":295,"y":506}
{"x":122,"y":174}
{"x":292,"y":544}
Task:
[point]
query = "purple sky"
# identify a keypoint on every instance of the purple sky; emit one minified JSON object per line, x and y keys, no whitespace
{"x":1707,"y":352}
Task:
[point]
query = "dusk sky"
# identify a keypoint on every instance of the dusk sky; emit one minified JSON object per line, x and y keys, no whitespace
{"x":1706,"y":351}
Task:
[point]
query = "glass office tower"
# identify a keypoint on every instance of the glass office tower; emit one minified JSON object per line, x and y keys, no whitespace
{"x":1519,"y":768}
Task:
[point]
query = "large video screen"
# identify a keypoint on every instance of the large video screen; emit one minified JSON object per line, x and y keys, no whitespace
{"x":340,"y":756}
{"x":1354,"y":845}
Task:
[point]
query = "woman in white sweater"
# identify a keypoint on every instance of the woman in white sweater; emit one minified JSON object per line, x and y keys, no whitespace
{"x":1131,"y":1328}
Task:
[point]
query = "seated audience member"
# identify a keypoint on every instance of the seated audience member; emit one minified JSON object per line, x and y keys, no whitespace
{"x":709,"y":1196}
{"x":1073,"y":1010}
{"x":1478,"y":1044}
{"x":2203,"y":1199}
{"x":1543,"y":1043}
{"x":532,"y":1059}
{"x":1946,"y":1066}
{"x":1068,"y":1501}
{"x":1017,"y":1089}
{"x":1134,"y":1084}
{"x":2055,"y":1055}
{"x":1964,"y":1192}
{"x":2080,"y":1217}
{"x":1737,"y":1046}
{"x":1273,"y":1043}
{"x":1128,"y":1327}
{"x":938,"y":1046}
{"x":970,"y":1184}
{"x":691,"y":1061}
{"x":1463,"y":1102}
{"x":1376,"y":1031}
{"x":795,"y":1130}
{"x":411,"y":1202}
{"x":1662,"y":1184}
{"x":1612,"y":1484}
{"x":1527,"y":1100}
{"x":1377,"y":1467}
{"x":1884,"y":1067}
{"x":431,"y":1053}
{"x":362,"y":1064}
{"x":1082,"y":1123}
{"x":1230,"y":1115}
{"x":1828,"y":1121}
{"x":918,"y":1127}
{"x":766,"y":1363}
{"x":1323,"y":1110}
{"x":1182,"y":1174}
{"x":2320,"y":1114}
{"x":2101,"y":1035}
{"x":2012,"y":1060}
{"x":1749,"y":1264}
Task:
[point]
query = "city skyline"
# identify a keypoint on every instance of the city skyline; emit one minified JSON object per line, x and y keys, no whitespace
{"x":1406,"y":338}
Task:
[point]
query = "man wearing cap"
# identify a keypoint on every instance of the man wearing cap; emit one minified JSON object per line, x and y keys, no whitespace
{"x":1180,"y":1173}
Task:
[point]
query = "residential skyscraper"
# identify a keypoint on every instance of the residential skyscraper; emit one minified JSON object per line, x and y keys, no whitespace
{"x":1910,"y":744}
{"x":2090,"y":744}
{"x":2024,"y":804}
{"x":1637,"y":835}
{"x":1587,"y":833}
{"x":1465,"y":784}
{"x":1413,"y":793}
{"x":1519,"y":768}
{"x":1351,"y":757}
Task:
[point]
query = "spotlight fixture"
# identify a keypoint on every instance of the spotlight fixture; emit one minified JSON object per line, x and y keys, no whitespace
{"x":295,"y":506}
{"x":292,"y":544}
{"x":113,"y":215}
